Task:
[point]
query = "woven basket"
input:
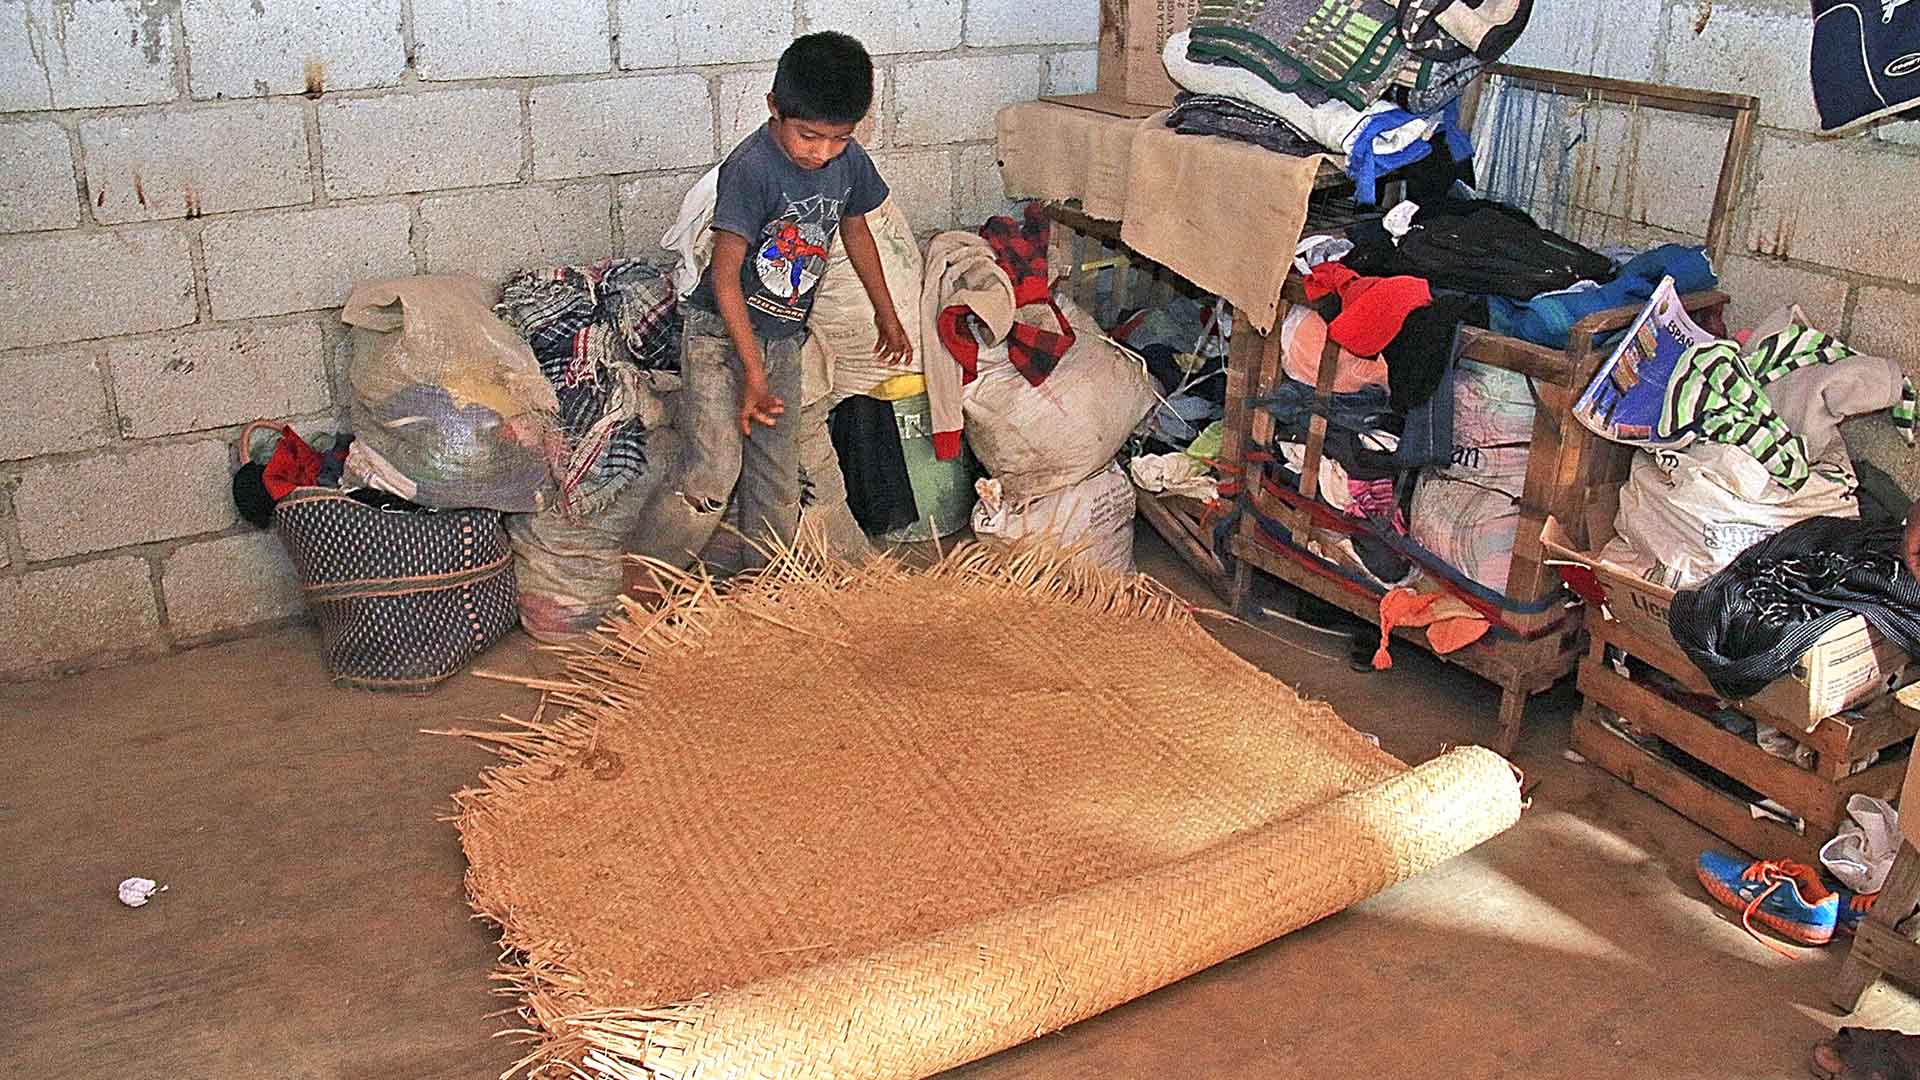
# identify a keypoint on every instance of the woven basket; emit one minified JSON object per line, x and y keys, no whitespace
{"x":404,"y":600}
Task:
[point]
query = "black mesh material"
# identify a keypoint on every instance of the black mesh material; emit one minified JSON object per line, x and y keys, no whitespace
{"x":1751,"y":622}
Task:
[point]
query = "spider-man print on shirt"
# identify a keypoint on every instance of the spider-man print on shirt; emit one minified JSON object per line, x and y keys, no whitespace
{"x":791,"y":256}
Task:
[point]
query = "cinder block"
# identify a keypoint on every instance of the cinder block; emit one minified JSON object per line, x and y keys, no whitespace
{"x":890,"y":26}
{"x":1626,"y":168}
{"x":1739,"y":51}
{"x":741,"y":106}
{"x":1618,"y":39}
{"x":480,"y":39}
{"x":1023,"y":22}
{"x":420,"y":142}
{"x":272,"y":264}
{"x":982,"y":192}
{"x":189,"y":162}
{"x":1901,"y":133}
{"x":637,"y":124}
{"x":217,"y":378}
{"x":1886,"y":322}
{"x":229,"y":583}
{"x":112,"y":500}
{"x":956,"y":99}
{"x":685,"y":33}
{"x":922,"y":183}
{"x":69,"y":613}
{"x":271,"y":47}
{"x":36,"y":178}
{"x":1072,"y":72}
{"x":492,"y":234}
{"x":1827,"y":203}
{"x":649,"y":205}
{"x":57,"y":54}
{"x":70,"y":286}
{"x":51,"y":401}
{"x":1760,"y":286}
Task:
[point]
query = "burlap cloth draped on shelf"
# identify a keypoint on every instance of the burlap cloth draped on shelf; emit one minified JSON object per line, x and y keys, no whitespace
{"x":878,"y":822}
{"x":1225,"y":215}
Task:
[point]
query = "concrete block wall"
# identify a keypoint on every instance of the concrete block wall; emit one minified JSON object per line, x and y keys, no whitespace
{"x":188,"y":189}
{"x":1819,"y":220}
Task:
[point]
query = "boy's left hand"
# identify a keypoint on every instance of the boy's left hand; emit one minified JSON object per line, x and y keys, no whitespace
{"x":893,"y":349}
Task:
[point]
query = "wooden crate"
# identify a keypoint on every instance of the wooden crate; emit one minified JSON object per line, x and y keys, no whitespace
{"x":1818,"y":796}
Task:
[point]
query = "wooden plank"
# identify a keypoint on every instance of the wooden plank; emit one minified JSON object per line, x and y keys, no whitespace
{"x":1881,"y":780}
{"x":1626,"y":92}
{"x":1889,"y":952}
{"x":1243,"y":360}
{"x":1711,"y":809}
{"x":1885,"y":948}
{"x":1512,"y":354}
{"x":1822,"y":804}
{"x":1732,"y":170}
{"x":1316,"y":427}
{"x":1169,"y":523}
{"x":1529,"y":579}
{"x":1840,"y":737}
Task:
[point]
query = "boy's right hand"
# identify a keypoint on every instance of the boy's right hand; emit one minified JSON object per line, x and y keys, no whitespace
{"x":758,"y":405}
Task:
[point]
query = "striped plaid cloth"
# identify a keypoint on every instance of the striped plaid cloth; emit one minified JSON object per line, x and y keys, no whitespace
{"x":594,"y":330}
{"x":1351,"y":48}
{"x":1722,"y":394}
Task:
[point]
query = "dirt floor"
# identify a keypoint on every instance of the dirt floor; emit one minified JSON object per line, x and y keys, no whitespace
{"x":314,"y":924}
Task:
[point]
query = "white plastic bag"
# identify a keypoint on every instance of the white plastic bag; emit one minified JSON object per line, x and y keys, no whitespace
{"x":1037,"y":440}
{"x":1861,"y":853}
{"x":1695,"y":510}
{"x":1093,"y":518}
{"x":840,"y":331}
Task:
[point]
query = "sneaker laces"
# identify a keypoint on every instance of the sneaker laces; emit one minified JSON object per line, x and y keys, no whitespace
{"x":1775,"y":872}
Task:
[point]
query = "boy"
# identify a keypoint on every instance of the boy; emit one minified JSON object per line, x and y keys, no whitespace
{"x":783,"y":195}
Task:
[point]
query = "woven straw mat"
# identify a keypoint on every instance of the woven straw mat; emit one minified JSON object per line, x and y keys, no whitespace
{"x":879,"y":822}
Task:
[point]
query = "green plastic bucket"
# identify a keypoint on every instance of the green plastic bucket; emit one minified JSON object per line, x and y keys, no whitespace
{"x":942,"y":490}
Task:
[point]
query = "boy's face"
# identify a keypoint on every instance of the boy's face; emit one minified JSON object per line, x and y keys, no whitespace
{"x":810,"y":144}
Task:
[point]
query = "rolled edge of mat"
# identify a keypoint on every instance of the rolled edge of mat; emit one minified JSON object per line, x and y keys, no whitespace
{"x":920,"y":1007}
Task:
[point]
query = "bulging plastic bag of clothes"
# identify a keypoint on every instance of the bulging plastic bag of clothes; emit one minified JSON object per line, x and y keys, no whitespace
{"x":838,"y":353}
{"x":1696,"y":510}
{"x":1037,"y":440}
{"x":446,"y":399}
{"x":1092,"y":519}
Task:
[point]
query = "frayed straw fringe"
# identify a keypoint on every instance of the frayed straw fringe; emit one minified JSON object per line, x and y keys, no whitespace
{"x":573,"y":1038}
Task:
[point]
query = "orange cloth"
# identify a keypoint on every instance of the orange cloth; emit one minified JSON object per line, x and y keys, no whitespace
{"x":1303,"y":335}
{"x":1451,"y":624}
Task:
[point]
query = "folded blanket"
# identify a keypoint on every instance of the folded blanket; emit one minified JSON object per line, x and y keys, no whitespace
{"x":1352,"y":48}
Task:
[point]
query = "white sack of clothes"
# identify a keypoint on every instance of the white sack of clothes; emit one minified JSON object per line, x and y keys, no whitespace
{"x":840,"y":331}
{"x":1694,"y":510}
{"x":1470,"y":524}
{"x":1491,"y":406}
{"x":1093,"y":519}
{"x":1037,"y":440}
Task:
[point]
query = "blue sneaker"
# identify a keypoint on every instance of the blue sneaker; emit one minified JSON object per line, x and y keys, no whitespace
{"x":1782,"y":896}
{"x":1854,"y":907}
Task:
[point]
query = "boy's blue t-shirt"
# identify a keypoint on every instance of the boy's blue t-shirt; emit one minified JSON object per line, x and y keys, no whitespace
{"x":789,"y":216}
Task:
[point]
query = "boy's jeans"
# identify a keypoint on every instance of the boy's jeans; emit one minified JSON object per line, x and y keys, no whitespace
{"x":761,"y":473}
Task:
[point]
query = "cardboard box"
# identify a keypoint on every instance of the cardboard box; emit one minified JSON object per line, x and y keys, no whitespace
{"x":1132,"y":35}
{"x":1850,"y":664}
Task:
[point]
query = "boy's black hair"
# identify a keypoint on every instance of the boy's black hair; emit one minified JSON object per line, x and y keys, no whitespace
{"x":827,"y":77}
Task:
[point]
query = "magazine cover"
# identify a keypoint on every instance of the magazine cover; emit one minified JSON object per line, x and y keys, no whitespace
{"x":1626,"y":397}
